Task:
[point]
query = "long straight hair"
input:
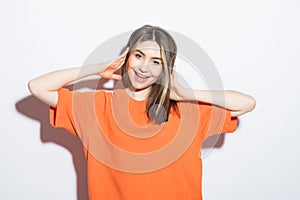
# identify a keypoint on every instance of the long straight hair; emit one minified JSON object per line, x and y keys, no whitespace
{"x":158,"y":102}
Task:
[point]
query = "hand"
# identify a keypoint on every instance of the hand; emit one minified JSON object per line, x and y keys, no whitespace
{"x":177,"y":92}
{"x":113,"y":66}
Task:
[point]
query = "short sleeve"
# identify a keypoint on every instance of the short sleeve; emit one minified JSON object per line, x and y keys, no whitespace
{"x":62,"y":115}
{"x":77,"y":112}
{"x":216,"y":120}
{"x":230,"y":123}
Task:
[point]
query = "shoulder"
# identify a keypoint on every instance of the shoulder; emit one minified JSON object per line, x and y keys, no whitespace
{"x":84,"y":95}
{"x":195,"y":109}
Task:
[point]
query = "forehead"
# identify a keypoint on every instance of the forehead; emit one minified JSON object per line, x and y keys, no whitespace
{"x":148,"y":45}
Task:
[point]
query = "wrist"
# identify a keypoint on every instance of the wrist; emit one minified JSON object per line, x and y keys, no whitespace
{"x":94,"y":69}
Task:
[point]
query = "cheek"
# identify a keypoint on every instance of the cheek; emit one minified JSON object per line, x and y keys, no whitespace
{"x":132,"y":63}
{"x":129,"y":66}
{"x":156,"y":71}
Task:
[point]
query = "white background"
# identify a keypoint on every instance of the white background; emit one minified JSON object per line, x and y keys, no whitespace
{"x":254,"y":45}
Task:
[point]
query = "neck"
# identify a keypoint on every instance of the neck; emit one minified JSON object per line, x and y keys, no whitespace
{"x":138,"y":95}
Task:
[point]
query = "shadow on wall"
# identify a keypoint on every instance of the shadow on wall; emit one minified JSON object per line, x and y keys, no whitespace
{"x":215,"y":141}
{"x":35,"y":109}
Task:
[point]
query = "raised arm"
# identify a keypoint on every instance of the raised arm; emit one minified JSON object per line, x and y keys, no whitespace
{"x":237,"y":102}
{"x":45,"y":87}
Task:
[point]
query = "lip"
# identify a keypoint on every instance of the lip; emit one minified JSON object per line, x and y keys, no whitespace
{"x":141,"y":75}
{"x":140,"y":78}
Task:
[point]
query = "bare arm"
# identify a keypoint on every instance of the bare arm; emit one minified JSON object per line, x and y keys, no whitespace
{"x":238,"y":103}
{"x":45,"y":87}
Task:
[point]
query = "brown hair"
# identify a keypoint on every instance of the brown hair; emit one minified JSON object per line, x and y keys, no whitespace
{"x":159,"y":102}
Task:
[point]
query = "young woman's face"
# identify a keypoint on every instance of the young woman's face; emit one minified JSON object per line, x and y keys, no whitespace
{"x":144,"y":65}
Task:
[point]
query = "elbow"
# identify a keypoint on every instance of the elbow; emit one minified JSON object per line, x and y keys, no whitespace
{"x":30,"y":86}
{"x":246,"y":102}
{"x":251,"y":104}
{"x":33,"y":88}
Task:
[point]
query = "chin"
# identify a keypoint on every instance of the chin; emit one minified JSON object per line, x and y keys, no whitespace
{"x":140,"y":87}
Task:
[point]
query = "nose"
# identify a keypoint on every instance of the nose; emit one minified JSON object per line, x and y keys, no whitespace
{"x":143,"y":67}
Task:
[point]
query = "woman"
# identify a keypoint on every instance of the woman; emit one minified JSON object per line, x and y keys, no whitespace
{"x":142,"y":141}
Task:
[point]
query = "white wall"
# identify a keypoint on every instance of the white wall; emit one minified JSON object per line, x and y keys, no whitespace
{"x":254,"y":44}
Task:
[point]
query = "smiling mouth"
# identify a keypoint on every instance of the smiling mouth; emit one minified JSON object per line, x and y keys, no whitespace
{"x":140,"y":76}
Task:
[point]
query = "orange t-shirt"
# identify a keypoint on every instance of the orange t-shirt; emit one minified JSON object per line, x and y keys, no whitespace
{"x":130,"y":158}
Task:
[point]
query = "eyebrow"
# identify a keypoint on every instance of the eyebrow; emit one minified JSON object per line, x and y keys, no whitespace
{"x":158,"y":58}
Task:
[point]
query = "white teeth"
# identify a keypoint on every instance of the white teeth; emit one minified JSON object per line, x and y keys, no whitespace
{"x":141,"y":75}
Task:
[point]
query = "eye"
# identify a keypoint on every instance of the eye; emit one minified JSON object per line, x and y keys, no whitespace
{"x":156,"y":62}
{"x":138,"y":55}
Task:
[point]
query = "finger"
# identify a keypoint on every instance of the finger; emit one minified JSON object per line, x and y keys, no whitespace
{"x":121,"y":57}
{"x":174,"y":76}
{"x":116,"y":77}
{"x":120,"y":63}
{"x":125,"y":52}
{"x":173,"y":69}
